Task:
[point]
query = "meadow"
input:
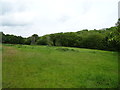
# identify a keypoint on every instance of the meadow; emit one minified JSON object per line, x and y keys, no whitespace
{"x":26,"y":66}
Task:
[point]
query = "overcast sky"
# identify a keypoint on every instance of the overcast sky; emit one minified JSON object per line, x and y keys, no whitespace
{"x":27,"y":17}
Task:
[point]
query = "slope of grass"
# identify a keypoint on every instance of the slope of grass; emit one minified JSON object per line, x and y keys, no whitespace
{"x":58,"y":67}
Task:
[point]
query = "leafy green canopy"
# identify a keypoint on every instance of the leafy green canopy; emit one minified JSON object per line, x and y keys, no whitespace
{"x":104,"y":39}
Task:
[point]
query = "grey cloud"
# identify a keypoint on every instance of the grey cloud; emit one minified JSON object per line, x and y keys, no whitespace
{"x":10,"y":21}
{"x":12,"y":14}
{"x":13,"y":24}
{"x":6,"y":8}
{"x":50,"y":16}
{"x":10,"y":7}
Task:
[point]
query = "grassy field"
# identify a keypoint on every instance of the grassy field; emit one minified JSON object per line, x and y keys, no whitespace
{"x":58,"y":67}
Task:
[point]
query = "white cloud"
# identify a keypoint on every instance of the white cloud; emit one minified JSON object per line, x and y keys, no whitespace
{"x":26,"y":17}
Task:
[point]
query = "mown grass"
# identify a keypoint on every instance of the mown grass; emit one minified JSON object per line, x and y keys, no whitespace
{"x":58,"y":67}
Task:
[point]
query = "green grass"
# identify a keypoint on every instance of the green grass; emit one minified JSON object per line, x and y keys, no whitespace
{"x":58,"y":67}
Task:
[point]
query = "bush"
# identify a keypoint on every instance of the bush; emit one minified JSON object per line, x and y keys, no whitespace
{"x":66,"y":49}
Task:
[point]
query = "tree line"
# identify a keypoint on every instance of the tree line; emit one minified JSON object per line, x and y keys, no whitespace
{"x":104,"y":39}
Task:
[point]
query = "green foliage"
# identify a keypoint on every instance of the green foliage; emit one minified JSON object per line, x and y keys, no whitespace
{"x":104,"y":39}
{"x":27,"y":41}
{"x":12,"y":39}
{"x":34,"y":38}
{"x":42,"y":41}
{"x":66,"y":49}
{"x":93,"y":41}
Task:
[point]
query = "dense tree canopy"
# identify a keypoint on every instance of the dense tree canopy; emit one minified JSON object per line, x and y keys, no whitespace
{"x":104,"y":39}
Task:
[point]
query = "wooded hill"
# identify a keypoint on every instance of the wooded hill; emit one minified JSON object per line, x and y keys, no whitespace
{"x":104,"y":39}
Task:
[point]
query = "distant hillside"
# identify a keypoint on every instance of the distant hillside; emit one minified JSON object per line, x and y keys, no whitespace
{"x":104,"y":39}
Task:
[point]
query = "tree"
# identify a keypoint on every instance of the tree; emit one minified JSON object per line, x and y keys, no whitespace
{"x":34,"y":38}
{"x":93,"y":41}
{"x":27,"y":41}
{"x":42,"y":41}
{"x":106,"y":39}
{"x":53,"y":38}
